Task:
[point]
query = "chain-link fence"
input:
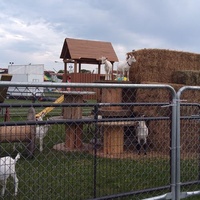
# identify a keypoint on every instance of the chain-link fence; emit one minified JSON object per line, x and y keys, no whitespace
{"x":97,"y":141}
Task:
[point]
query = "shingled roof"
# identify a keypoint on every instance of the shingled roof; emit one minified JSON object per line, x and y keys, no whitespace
{"x":87,"y":51}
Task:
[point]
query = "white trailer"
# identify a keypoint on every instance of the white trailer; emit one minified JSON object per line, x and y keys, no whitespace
{"x":26,"y":73}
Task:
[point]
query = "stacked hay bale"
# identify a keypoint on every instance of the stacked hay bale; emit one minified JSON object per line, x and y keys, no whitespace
{"x":186,"y":77}
{"x":175,"y":68}
{"x":158,"y":65}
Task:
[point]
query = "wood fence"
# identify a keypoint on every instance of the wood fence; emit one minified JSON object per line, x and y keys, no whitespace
{"x":87,"y":78}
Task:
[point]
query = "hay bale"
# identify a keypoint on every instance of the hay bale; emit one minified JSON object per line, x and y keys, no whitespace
{"x":159,"y":135}
{"x":157,"y":65}
{"x":162,"y":96}
{"x":186,"y":77}
{"x":160,"y":131}
{"x":157,"y":95}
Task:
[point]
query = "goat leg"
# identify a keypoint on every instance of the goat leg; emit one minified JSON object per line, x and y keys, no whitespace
{"x":16,"y":185}
{"x":145,"y":148}
{"x":41,"y":144}
{"x":128,"y":75}
{"x":3,"y":187}
{"x":138,"y":148}
{"x":16,"y":182}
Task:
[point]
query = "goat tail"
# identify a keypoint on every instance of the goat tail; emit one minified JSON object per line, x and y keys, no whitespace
{"x":17,"y":157}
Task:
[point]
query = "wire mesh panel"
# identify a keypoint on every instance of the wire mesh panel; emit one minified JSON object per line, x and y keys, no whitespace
{"x":116,"y":145}
{"x":133,"y":159}
{"x":189,"y":142}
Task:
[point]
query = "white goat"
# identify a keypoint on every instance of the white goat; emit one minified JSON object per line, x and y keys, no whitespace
{"x":7,"y":168}
{"x":108,"y":68}
{"x":41,"y":131}
{"x":142,"y":134}
{"x":124,"y":66}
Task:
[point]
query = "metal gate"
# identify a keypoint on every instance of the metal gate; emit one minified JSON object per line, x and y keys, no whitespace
{"x":188,"y":148}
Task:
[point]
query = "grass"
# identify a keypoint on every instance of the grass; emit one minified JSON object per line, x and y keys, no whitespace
{"x":70,"y":175}
{"x":60,"y":175}
{"x":55,"y":175}
{"x":20,"y":113}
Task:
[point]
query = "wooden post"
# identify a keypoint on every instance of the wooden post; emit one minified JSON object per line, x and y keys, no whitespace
{"x":75,"y":67}
{"x":79,"y":68}
{"x":99,"y":68}
{"x":31,"y":144}
{"x":73,"y":138}
{"x":72,"y":112}
{"x":65,"y":73}
{"x":112,"y":95}
{"x":7,"y":115}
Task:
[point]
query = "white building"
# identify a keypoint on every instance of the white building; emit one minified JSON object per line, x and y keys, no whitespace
{"x":26,"y":73}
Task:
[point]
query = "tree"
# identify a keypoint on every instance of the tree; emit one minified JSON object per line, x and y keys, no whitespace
{"x":85,"y":71}
{"x":61,"y":71}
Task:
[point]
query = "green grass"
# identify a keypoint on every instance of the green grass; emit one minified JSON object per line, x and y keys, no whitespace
{"x":20,"y":113}
{"x":60,"y":175}
{"x":57,"y":175}
{"x":71,"y":177}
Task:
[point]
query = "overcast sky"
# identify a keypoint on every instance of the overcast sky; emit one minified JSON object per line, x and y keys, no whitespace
{"x":33,"y":31}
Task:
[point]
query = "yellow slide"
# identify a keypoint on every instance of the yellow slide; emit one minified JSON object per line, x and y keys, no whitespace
{"x":49,"y":109}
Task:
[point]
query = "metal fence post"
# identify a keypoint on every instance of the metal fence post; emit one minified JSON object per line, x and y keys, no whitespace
{"x":178,"y":148}
{"x":173,"y":150}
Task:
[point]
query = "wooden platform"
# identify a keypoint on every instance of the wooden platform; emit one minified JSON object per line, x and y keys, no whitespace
{"x":25,"y":133}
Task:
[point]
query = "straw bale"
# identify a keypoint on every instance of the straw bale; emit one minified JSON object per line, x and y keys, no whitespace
{"x":186,"y":77}
{"x":157,"y":65}
{"x":153,"y":95}
{"x":159,"y":136}
{"x":163,"y":95}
